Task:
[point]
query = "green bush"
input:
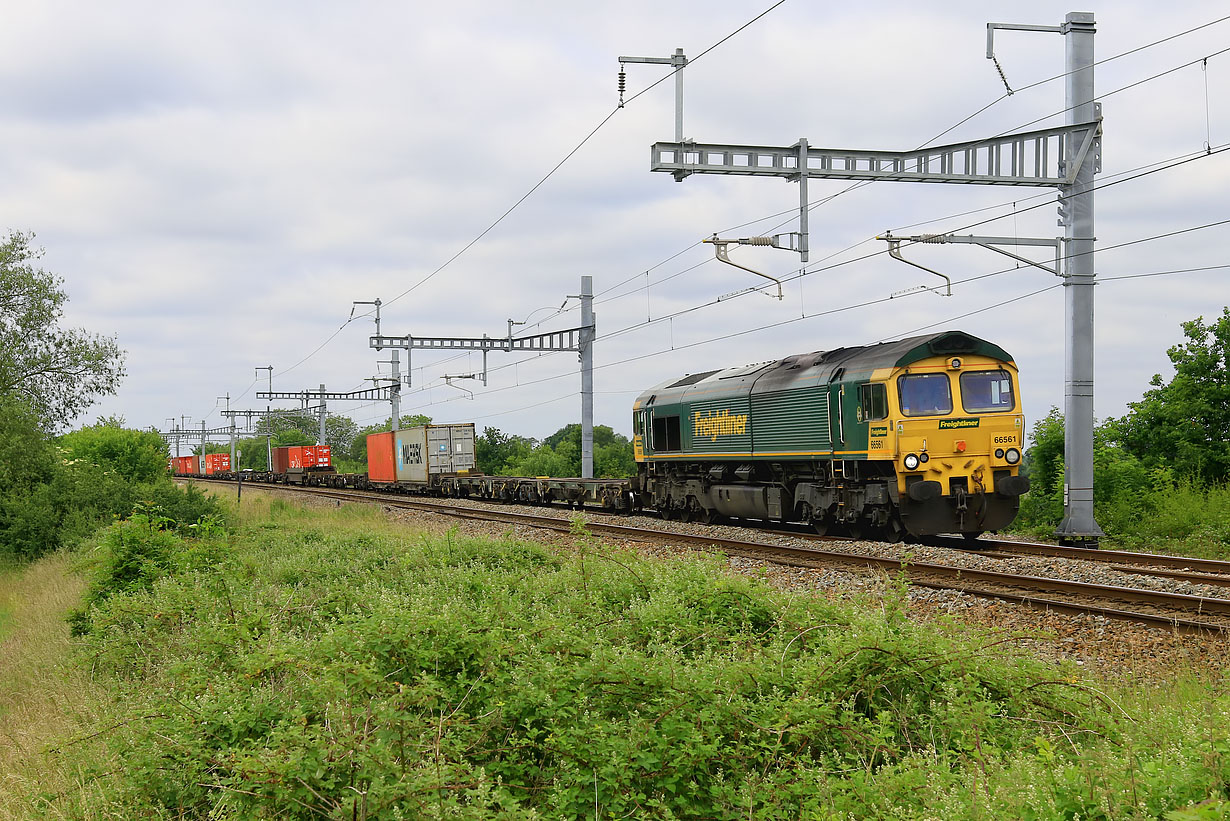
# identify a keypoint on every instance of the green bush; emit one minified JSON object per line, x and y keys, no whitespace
{"x":348,"y":674}
{"x":1136,"y":504}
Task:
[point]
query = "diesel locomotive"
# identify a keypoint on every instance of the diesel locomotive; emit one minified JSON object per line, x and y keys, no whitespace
{"x":915,"y":437}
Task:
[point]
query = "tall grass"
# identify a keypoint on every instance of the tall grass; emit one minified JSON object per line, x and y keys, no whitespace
{"x":44,"y":699}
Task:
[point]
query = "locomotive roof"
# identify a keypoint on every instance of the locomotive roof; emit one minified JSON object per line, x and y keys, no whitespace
{"x":822,"y":364}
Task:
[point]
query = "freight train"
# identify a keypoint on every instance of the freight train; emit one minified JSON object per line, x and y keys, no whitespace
{"x":910,"y":438}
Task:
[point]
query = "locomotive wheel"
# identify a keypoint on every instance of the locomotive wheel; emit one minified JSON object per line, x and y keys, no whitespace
{"x":688,"y":512}
{"x":667,"y":510}
{"x":856,"y":529}
{"x":821,"y":520}
{"x":893,"y":532}
{"x":698,"y":512}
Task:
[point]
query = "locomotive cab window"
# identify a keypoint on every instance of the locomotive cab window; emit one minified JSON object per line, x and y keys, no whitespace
{"x":873,"y":401}
{"x":987,"y":391}
{"x":924,"y":394}
{"x":666,"y":433}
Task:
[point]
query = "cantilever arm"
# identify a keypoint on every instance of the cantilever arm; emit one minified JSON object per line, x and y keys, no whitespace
{"x":894,"y":251}
{"x":723,"y":255}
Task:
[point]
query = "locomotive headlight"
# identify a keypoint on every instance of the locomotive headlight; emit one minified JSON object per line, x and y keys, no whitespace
{"x":1012,"y":456}
{"x":911,"y":462}
{"x":999,"y":453}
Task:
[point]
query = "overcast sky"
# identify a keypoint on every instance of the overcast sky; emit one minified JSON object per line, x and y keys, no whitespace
{"x":216,"y":183}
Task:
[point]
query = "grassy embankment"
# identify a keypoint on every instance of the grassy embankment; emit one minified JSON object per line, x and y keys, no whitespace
{"x":329,"y":664}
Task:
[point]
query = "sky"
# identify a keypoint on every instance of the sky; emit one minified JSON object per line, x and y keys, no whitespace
{"x":217,"y":183}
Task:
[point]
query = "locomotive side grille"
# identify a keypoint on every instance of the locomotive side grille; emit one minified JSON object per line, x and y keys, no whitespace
{"x":796,"y":420}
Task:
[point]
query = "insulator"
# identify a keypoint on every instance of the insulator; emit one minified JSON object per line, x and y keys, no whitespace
{"x":932,"y":238}
{"x":623,"y":84}
{"x":757,"y":241}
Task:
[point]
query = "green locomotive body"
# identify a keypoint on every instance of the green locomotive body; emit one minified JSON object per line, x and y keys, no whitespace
{"x":917,"y":436}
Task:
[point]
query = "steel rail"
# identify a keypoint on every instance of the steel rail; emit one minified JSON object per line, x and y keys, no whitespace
{"x":1090,"y":554}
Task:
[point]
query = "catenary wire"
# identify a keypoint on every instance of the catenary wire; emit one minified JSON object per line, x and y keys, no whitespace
{"x":1148,"y":169}
{"x":827,"y":199}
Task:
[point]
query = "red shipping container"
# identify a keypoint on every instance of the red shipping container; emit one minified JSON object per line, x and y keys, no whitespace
{"x":186,"y":465}
{"x":324,"y":456}
{"x":281,"y":459}
{"x":380,"y":464}
{"x":217,"y":463}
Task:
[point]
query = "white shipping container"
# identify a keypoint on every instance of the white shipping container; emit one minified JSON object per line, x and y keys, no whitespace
{"x":426,"y":452}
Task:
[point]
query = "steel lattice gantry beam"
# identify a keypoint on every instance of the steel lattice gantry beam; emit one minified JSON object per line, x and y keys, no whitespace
{"x":364,"y":395}
{"x":1032,"y":158}
{"x":569,"y":340}
{"x":579,"y":339}
{"x":192,"y":433}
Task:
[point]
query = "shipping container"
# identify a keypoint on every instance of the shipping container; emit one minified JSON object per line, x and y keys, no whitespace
{"x":434,"y":450}
{"x":308,"y":456}
{"x":217,"y":463}
{"x":324,"y":456}
{"x":380,"y":464}
{"x":281,"y":459}
{"x":186,"y":465}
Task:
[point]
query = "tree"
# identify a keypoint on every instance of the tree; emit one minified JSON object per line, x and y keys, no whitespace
{"x":495,"y":449}
{"x":138,"y":456}
{"x":560,"y":455}
{"x":1182,"y":424}
{"x":56,"y":372}
{"x":293,"y":426}
{"x":340,"y":432}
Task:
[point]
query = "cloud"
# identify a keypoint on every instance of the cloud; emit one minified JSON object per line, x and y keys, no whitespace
{"x":218,"y":184}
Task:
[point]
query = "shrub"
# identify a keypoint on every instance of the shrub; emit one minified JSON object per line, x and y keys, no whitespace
{"x":351,"y":675}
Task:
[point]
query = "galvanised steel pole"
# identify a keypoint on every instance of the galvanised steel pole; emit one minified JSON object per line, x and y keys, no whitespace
{"x":395,"y":393}
{"x":1078,"y":526}
{"x":587,"y":377}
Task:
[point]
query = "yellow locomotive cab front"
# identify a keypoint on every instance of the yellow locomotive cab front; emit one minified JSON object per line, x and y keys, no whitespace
{"x":959,"y":435}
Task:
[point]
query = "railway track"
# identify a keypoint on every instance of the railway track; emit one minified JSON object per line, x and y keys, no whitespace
{"x":1182,"y":568}
{"x":1170,"y":610}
